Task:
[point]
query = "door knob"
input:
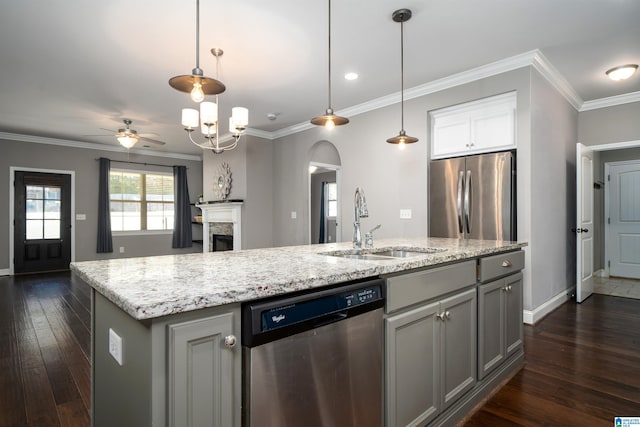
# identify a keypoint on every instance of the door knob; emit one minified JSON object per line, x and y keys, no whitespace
{"x":230,"y":341}
{"x":580,"y":230}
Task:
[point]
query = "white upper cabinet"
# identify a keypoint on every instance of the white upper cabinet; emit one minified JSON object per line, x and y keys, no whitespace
{"x":474,"y":127}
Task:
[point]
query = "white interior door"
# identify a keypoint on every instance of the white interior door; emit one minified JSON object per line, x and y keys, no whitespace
{"x":584,"y":222}
{"x":624,"y":220}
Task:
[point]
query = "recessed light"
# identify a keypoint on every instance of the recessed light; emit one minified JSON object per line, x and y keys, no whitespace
{"x":622,"y":72}
{"x":351,"y":76}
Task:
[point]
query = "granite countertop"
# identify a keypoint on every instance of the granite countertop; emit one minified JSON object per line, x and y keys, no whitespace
{"x":151,"y":287}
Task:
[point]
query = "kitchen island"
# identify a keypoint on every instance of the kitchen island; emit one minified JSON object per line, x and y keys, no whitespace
{"x":164,"y":347}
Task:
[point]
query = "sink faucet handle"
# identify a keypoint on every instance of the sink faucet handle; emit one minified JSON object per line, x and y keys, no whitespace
{"x":368,"y":237}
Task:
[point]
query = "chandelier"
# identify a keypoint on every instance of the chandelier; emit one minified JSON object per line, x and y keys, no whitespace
{"x":207,"y":120}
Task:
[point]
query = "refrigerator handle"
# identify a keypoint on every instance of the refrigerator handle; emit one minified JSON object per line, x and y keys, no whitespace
{"x":467,"y":201}
{"x":460,"y":178}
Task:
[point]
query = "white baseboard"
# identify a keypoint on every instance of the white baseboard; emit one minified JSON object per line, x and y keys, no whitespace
{"x":5,"y":272}
{"x":530,"y":317}
{"x":601,"y":273}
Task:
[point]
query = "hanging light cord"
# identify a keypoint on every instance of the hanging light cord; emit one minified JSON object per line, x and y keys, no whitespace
{"x":331,"y":108}
{"x":197,"y":34}
{"x":402,"y":75}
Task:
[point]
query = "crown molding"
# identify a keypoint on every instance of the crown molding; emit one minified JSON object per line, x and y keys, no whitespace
{"x":93,"y":146}
{"x":557,"y":80}
{"x":611,"y":101}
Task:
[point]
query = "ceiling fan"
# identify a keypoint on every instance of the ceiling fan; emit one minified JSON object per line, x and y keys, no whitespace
{"x":128,"y":137}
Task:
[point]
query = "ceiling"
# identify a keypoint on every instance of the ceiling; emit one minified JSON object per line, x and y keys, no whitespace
{"x":71,"y":67}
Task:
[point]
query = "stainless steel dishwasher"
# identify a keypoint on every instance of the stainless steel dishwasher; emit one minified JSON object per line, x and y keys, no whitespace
{"x":315,"y":359}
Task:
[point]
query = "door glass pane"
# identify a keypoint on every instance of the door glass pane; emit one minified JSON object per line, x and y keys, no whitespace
{"x":333,"y":208}
{"x":34,"y":229}
{"x":34,"y":192}
{"x":52,"y":209}
{"x":131,"y":186}
{"x":35,"y":209}
{"x":52,"y":193}
{"x":115,"y":185}
{"x":116,"y":216}
{"x":52,"y":229}
{"x":155,"y":217}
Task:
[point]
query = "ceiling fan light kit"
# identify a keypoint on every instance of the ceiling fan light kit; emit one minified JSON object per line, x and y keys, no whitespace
{"x":329,"y":120}
{"x":622,"y":72}
{"x":402,"y":16}
{"x":197,"y":84}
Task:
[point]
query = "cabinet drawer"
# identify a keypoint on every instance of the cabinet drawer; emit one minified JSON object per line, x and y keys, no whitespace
{"x":500,"y":265}
{"x":407,"y":289}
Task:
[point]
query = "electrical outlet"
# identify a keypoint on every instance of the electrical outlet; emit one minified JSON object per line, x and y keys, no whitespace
{"x":115,"y":346}
{"x":405,"y":213}
{"x":121,"y":249}
{"x":294,"y":214}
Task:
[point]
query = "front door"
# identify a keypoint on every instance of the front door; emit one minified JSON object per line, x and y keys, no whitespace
{"x":624,"y":220}
{"x":42,"y":233}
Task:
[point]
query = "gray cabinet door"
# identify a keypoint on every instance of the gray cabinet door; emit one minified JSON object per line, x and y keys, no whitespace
{"x":457,"y":346}
{"x":412,"y":366}
{"x":491,"y":327}
{"x":201,"y":372}
{"x":513,"y":319}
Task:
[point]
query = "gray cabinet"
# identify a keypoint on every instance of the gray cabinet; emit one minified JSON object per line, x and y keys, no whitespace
{"x":499,"y":314}
{"x":430,"y":347}
{"x":177,"y":370}
{"x":200,"y":372}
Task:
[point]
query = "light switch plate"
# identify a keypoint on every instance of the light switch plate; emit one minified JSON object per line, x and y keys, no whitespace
{"x":294,"y":214}
{"x":81,"y":217}
{"x":115,"y":346}
{"x":405,"y":213}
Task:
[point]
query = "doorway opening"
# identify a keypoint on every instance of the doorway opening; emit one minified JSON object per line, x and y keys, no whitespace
{"x":324,"y":203}
{"x":41,"y":227}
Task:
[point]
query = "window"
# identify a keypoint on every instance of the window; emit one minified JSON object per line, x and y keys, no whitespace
{"x":140,"y":201}
{"x":43,"y":212}
{"x":332,"y":200}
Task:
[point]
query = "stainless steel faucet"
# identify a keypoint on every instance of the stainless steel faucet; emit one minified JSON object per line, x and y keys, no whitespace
{"x":361,"y":211}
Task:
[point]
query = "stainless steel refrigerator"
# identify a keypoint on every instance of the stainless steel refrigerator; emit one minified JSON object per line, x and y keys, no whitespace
{"x":473,"y":197}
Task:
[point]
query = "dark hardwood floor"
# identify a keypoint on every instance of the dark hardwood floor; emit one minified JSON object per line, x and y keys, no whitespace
{"x":582,"y":361}
{"x":44,"y":351}
{"x":582,"y":369}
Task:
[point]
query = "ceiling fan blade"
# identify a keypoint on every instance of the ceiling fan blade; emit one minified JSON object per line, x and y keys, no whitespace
{"x":109,"y":130}
{"x":99,"y":135}
{"x":153,"y":141}
{"x":148,"y":135}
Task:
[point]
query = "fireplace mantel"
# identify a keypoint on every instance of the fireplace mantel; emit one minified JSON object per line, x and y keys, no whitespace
{"x":221,"y":212}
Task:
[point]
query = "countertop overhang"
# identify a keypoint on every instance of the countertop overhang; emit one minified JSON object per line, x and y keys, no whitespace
{"x":151,"y":287}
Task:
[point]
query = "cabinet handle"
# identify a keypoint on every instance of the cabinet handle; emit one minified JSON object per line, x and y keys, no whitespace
{"x":439,"y":316}
{"x":506,"y":263}
{"x":509,"y":288}
{"x":447,"y":315}
{"x":505,"y":289}
{"x":230,"y":341}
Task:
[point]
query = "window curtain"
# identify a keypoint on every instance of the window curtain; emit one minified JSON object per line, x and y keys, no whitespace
{"x":105,"y":240}
{"x":323,"y":197}
{"x":182,"y":209}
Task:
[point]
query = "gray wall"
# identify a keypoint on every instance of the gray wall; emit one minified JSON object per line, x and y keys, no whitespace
{"x":82,"y":162}
{"x":613,"y":124}
{"x":553,"y":200}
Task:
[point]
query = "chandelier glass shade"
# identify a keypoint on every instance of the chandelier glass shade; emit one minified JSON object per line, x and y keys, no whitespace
{"x":207,"y":121}
{"x":127,"y":141}
{"x":401,"y":16}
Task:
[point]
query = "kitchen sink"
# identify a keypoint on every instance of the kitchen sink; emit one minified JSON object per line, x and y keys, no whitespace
{"x":384,"y":254}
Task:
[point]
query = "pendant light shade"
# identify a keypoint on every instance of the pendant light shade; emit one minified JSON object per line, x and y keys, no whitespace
{"x":197,"y":84}
{"x":402,"y":16}
{"x":329,"y":120}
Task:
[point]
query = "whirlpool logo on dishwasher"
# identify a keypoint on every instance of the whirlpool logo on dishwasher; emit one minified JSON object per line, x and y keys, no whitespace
{"x":278,"y":318}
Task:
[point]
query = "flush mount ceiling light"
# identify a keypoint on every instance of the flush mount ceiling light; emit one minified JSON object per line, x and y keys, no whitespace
{"x":622,"y":72}
{"x":207,"y":121}
{"x":196,"y":83}
{"x":402,"y":16}
{"x":329,"y":120}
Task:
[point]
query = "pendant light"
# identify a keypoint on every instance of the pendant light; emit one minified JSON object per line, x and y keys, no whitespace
{"x":197,"y":84}
{"x":402,"y":16}
{"x":329,"y":120}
